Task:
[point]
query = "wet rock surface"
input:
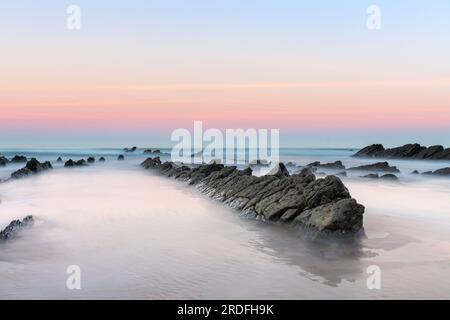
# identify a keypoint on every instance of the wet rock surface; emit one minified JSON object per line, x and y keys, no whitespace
{"x":298,"y":200}
{"x":408,"y":151}
{"x":14,"y":227}
{"x":444,"y":172}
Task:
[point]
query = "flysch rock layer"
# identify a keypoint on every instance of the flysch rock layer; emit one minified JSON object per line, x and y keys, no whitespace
{"x":318,"y":206}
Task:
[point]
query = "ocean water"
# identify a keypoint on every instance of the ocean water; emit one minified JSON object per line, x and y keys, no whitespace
{"x":136,"y":235}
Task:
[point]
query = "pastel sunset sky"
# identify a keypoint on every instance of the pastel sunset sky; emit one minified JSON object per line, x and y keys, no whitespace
{"x":137,"y":70}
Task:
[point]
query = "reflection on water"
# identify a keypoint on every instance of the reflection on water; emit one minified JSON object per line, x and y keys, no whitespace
{"x":136,"y":235}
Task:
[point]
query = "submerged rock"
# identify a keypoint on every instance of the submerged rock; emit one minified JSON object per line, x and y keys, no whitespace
{"x":408,"y":151}
{"x":91,"y":160}
{"x":102,"y":159}
{"x":32,"y":167}
{"x":15,"y":226}
{"x":319,"y":205}
{"x":146,"y":151}
{"x":59,"y":160}
{"x":377,"y":167}
{"x":121,"y":157}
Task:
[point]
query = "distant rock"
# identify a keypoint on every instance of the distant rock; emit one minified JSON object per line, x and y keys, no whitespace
{"x":3,"y":161}
{"x":337,"y":165}
{"x":408,"y":151}
{"x":32,"y":167}
{"x":389,"y":176}
{"x":14,"y":227}
{"x":91,"y":160}
{"x":133,"y":149}
{"x":415,"y":172}
{"x":377,"y":167}
{"x":299,"y":200}
{"x":59,"y":160}
{"x":290,"y":164}
{"x":444,"y":172}
{"x":371,"y":176}
{"x":148,"y":151}
{"x":70,"y":163}
{"x":121,"y":157}
{"x":156,"y":151}
{"x":102,"y":159}
{"x":19,"y":159}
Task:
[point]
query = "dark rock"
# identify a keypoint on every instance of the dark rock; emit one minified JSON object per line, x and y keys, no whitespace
{"x":14,"y":227}
{"x":91,"y":160}
{"x":389,"y":176}
{"x":415,"y":172}
{"x":156,"y":151}
{"x":377,"y":167}
{"x":408,"y":151}
{"x":102,"y":159}
{"x":121,"y":157}
{"x":444,"y":172}
{"x":297,"y":200}
{"x":337,"y":165}
{"x":371,"y":176}
{"x":133,"y":149}
{"x":32,"y":167}
{"x":341,"y":174}
{"x":343,"y":216}
{"x":148,"y":151}
{"x":370,"y":151}
{"x":70,"y":163}
{"x":19,"y":159}
{"x":3,"y":161}
{"x":59,"y":159}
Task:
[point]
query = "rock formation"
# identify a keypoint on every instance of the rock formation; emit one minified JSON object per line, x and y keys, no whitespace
{"x":133,"y":149}
{"x":19,"y":159}
{"x":299,"y":200}
{"x":70,"y":163}
{"x":377,"y":167}
{"x":337,"y":165}
{"x":33,"y":166}
{"x":444,"y":172}
{"x":14,"y":227}
{"x":408,"y":151}
{"x":121,"y":157}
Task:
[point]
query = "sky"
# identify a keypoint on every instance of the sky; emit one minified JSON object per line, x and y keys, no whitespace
{"x":137,"y":70}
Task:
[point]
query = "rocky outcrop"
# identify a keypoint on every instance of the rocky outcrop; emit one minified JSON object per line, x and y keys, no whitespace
{"x":3,"y":161}
{"x":32,"y":167}
{"x":59,"y":160}
{"x":14,"y":227}
{"x":262,"y":163}
{"x":70,"y":163}
{"x":376,"y":167}
{"x":408,"y":151}
{"x":337,"y":165}
{"x":444,"y":172}
{"x":133,"y":149}
{"x":298,"y":200}
{"x":121,"y":157}
{"x":102,"y":159}
{"x":91,"y":160}
{"x":19,"y":159}
{"x":147,"y":151}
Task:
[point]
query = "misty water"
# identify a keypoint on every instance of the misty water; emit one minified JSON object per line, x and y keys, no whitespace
{"x":137,"y":235}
